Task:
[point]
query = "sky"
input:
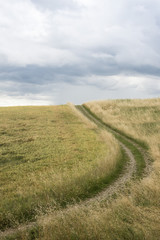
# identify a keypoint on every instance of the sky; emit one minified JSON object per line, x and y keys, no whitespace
{"x":59,"y":51}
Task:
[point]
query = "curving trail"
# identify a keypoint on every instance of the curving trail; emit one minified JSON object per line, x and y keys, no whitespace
{"x":127,"y":174}
{"x":130,"y":168}
{"x":120,"y":182}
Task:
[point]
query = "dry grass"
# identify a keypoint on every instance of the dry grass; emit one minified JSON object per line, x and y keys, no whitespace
{"x":49,"y":158}
{"x":136,"y":214}
{"x":138,"y":118}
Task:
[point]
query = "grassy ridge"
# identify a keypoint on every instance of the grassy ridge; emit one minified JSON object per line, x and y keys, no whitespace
{"x":49,"y":158}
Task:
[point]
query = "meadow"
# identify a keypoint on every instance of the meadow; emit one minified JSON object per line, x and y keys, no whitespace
{"x":134,"y":214}
{"x":50,"y":157}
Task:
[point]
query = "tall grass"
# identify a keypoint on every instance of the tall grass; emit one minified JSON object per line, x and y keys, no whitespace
{"x":136,"y":213}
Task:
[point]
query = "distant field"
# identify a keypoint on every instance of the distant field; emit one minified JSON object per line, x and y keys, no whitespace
{"x":49,"y":157}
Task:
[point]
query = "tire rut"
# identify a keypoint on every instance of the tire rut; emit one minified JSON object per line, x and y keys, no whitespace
{"x":130,"y":168}
{"x":120,"y":182}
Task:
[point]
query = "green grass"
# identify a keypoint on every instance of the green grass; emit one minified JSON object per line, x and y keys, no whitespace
{"x":48,"y":159}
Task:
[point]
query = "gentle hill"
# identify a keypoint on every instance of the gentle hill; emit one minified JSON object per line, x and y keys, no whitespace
{"x":50,"y":157}
{"x":66,"y":167}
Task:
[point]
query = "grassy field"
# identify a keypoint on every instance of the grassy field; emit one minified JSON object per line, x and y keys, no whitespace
{"x":50,"y":157}
{"x":133,"y":215}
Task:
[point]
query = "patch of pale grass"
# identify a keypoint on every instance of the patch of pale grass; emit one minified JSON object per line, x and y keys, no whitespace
{"x":122,"y":219}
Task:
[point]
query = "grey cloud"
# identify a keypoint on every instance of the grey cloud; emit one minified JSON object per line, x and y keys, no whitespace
{"x":72,"y":74}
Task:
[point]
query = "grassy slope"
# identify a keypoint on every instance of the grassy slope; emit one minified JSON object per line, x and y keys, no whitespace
{"x":136,"y":214}
{"x":48,"y":157}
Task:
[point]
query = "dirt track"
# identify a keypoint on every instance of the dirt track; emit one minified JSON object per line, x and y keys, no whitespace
{"x":130,"y":167}
{"x":126,"y":175}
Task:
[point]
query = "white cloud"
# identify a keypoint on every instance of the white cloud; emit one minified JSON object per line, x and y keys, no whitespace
{"x":25,"y":100}
{"x":29,"y":34}
{"x":32,"y":35}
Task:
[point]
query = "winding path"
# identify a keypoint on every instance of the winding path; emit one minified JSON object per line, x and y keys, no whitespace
{"x":126,"y":175}
{"x":130,"y":168}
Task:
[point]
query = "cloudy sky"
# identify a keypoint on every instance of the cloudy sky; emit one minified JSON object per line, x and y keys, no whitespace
{"x":58,"y":51}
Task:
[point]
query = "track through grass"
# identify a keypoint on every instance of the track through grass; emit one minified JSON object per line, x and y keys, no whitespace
{"x":138,"y":148}
{"x":132,"y":145}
